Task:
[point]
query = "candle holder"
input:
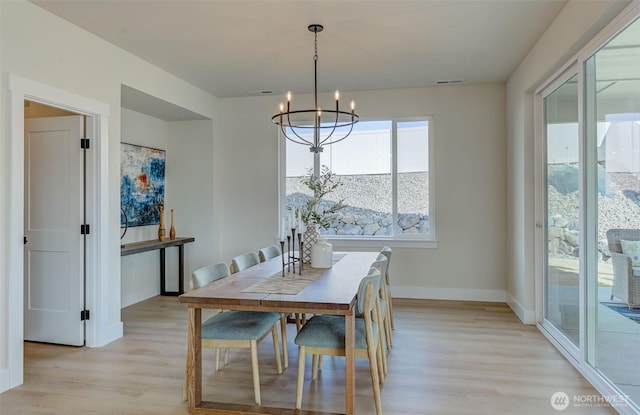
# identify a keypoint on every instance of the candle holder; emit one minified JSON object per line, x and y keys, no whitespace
{"x":291,"y":258}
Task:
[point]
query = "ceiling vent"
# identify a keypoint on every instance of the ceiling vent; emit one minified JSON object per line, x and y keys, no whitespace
{"x":450,"y":82}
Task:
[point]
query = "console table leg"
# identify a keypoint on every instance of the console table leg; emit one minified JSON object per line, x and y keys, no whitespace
{"x":163,"y":290}
{"x":180,"y":269}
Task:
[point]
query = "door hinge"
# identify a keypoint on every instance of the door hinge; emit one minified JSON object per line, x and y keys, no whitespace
{"x":84,"y":315}
{"x":84,"y":229}
{"x":84,"y":143}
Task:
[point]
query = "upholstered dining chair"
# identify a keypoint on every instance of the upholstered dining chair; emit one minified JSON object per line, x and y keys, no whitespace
{"x":381,"y":264}
{"x":203,"y":276}
{"x":269,"y":252}
{"x":624,"y":247}
{"x":325,"y":335}
{"x":386,"y":251}
{"x":385,"y":330}
{"x":244,"y":261}
{"x":266,"y":254}
{"x":236,"y":329}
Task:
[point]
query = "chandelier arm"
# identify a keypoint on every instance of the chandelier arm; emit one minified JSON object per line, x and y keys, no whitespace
{"x":340,"y":139}
{"x":276,"y":119}
{"x":333,"y":129}
{"x":302,"y":140}
{"x":293,"y":130}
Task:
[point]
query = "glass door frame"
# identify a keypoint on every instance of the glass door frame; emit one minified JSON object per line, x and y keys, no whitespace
{"x":588,"y":214}
{"x":569,"y":349}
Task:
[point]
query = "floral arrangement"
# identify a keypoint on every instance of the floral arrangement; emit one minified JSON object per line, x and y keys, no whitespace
{"x":319,"y":211}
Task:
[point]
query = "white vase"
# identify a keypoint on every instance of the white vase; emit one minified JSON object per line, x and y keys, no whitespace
{"x":322,"y":254}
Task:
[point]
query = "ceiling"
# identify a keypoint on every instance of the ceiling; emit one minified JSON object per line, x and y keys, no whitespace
{"x":245,"y":48}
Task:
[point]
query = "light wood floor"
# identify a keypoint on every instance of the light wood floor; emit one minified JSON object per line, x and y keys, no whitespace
{"x":448,"y":358}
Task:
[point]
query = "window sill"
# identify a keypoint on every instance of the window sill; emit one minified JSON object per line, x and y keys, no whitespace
{"x":380,"y":242}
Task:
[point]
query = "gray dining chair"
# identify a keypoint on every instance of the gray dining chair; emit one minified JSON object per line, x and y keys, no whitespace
{"x":386,"y":251}
{"x":381,"y":264}
{"x":325,"y":335}
{"x":269,"y":252}
{"x":244,"y":261}
{"x":385,"y":330}
{"x":236,"y":329}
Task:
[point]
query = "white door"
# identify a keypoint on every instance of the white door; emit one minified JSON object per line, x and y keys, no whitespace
{"x":54,"y":246}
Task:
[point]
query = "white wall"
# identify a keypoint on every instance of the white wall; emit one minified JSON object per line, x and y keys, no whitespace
{"x":140,"y":272}
{"x":55,"y":53}
{"x":578,"y":22}
{"x":188,"y":190}
{"x":469,"y":134}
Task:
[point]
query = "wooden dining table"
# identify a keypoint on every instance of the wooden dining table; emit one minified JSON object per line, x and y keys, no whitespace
{"x":333,"y":292}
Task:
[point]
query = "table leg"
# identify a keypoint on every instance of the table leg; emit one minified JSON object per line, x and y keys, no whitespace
{"x":180,"y":269}
{"x":163,"y":290}
{"x":194,"y":358}
{"x":350,"y":358}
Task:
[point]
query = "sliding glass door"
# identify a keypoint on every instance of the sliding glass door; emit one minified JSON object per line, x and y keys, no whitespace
{"x":588,"y":214}
{"x":562,"y":214}
{"x":612,"y":122}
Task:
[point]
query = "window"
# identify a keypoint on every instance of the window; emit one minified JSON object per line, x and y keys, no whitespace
{"x":384,"y":168}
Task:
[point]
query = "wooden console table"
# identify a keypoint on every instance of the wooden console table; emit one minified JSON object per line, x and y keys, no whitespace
{"x":152,"y":245}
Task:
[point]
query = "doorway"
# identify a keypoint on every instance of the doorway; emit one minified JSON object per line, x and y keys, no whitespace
{"x":104,"y":325}
{"x":55,"y":235}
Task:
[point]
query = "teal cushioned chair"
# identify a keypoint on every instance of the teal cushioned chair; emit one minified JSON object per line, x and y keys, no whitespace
{"x":236,"y":329}
{"x":244,"y":261}
{"x":386,"y":251}
{"x":385,"y":300}
{"x":325,"y":335}
{"x":269,"y":252}
{"x":385,"y":330}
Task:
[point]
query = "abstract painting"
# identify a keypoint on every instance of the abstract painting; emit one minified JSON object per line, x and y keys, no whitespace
{"x":141,"y":184}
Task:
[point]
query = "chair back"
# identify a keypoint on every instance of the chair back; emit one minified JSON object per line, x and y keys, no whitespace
{"x":614,"y":236}
{"x":373,"y":279}
{"x":205,"y":275}
{"x":386,"y":251}
{"x":381,"y":263}
{"x":269,"y":252}
{"x":244,"y":261}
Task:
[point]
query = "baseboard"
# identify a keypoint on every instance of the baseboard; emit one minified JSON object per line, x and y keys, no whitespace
{"x":424,"y":293}
{"x":114,"y":332}
{"x":111,"y":333}
{"x":526,"y":316}
{"x":5,"y":380}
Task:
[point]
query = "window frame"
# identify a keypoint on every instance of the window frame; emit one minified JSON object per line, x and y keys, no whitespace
{"x":427,"y":240}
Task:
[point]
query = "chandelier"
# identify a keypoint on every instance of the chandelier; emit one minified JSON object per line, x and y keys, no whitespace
{"x":326,"y":124}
